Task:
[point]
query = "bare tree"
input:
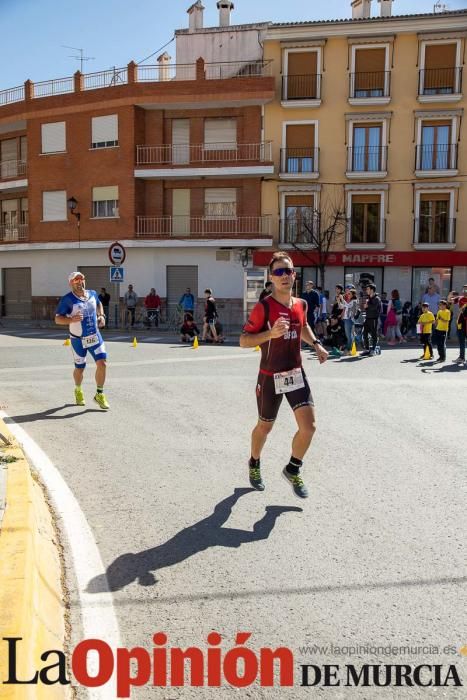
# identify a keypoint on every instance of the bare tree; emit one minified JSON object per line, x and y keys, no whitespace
{"x":320,"y":229}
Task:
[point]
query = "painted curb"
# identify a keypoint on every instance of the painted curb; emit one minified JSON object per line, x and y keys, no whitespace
{"x":31,"y":596}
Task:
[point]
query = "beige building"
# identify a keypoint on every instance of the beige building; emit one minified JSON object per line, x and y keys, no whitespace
{"x":367,"y":127}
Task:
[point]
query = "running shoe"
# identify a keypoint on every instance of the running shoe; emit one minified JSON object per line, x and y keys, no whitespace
{"x":255,"y":478}
{"x":101,"y":401}
{"x":79,"y":396}
{"x":458,"y":361}
{"x":296,"y":482}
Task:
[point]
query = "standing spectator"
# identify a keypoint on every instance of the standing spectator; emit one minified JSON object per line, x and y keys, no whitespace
{"x":442,"y":324}
{"x":266,"y":291}
{"x":432,"y":285}
{"x":210,"y":315}
{"x":323,"y":306}
{"x":130,"y":299}
{"x":350,"y":312}
{"x":394,"y":319}
{"x":384,"y":313}
{"x":187,"y":302}
{"x":370,"y":328}
{"x":426,"y":321}
{"x":152,"y":304}
{"x":311,"y":297}
{"x":104,"y":298}
{"x":337,"y":309}
{"x":432,"y":297}
{"x":461,"y":325}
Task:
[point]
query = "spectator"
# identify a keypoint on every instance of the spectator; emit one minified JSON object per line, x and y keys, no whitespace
{"x":338,"y":306}
{"x":220,"y":333}
{"x":406,"y":314}
{"x":104,"y":298}
{"x":426,"y":321}
{"x":311,"y":297}
{"x":443,"y":317}
{"x":323,"y":308}
{"x":384,"y":313}
{"x":189,"y":329}
{"x":461,"y":325}
{"x":351,"y":309}
{"x":336,"y":335}
{"x":432,"y":297}
{"x":370,"y":328}
{"x":394,"y":319}
{"x":210,"y":315}
{"x":187,"y":302}
{"x":152,"y":304}
{"x":130,"y":299}
{"x":266,"y":291}
{"x":432,"y":285}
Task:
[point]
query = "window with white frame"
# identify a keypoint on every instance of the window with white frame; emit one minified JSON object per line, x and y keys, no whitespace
{"x":54,"y":206}
{"x":369,"y":76}
{"x":299,"y":154}
{"x":302,"y":74}
{"x":365,"y":216}
{"x":436,"y":142}
{"x":440,"y":67}
{"x":105,"y":202}
{"x":104,"y":131}
{"x":300,"y":218}
{"x":220,"y":134}
{"x":220,"y":202}
{"x":434,"y":217}
{"x":53,"y":137}
{"x":367,"y":144}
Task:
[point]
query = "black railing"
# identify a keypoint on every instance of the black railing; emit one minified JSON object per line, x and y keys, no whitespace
{"x":440,"y":156}
{"x":440,"y":81}
{"x":372,"y":230}
{"x":301,"y":87}
{"x":301,"y":230}
{"x":434,"y":229}
{"x":370,"y":84}
{"x":299,"y":161}
{"x":366,"y":159}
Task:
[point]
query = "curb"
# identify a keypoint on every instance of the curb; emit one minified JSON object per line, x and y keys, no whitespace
{"x":31,"y":595}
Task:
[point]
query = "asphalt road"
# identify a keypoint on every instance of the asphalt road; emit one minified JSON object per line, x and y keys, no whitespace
{"x":375,"y":557}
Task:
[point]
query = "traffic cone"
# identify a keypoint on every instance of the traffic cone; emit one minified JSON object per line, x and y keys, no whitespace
{"x":426,"y":355}
{"x":195,"y":343}
{"x":257,"y":348}
{"x":67,"y":341}
{"x":353,"y":350}
{"x":134,"y":343}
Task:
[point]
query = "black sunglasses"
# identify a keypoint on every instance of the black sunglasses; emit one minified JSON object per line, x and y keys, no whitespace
{"x":280,"y":271}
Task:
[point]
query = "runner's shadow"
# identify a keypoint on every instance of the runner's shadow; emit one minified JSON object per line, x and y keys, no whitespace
{"x":48,"y":414}
{"x":443,"y":368}
{"x":186,"y":543}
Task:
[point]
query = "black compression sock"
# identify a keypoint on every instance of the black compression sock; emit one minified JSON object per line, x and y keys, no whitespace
{"x":254,"y":463}
{"x":294,"y":465}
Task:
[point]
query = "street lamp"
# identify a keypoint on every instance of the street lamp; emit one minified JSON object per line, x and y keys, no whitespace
{"x":72,"y":204}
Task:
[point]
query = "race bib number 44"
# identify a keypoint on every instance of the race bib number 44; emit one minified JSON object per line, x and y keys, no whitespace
{"x":288,"y":381}
{"x":90,"y":340}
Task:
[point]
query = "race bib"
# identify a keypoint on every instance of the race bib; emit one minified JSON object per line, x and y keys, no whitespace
{"x":288,"y":381}
{"x":90,"y":340}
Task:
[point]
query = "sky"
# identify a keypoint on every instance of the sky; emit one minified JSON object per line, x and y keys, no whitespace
{"x":114,"y":32}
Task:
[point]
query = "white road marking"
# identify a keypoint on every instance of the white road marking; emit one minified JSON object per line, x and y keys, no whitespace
{"x":98,"y":616}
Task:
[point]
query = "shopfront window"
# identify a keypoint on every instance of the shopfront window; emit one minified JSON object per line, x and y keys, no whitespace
{"x":423,"y":277}
{"x":358,"y":275}
{"x":304,"y":275}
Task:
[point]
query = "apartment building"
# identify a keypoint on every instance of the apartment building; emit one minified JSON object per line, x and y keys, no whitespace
{"x":166,"y":159}
{"x":368,"y":125}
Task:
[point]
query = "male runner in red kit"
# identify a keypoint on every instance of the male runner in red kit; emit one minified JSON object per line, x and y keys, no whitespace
{"x":278,"y":323}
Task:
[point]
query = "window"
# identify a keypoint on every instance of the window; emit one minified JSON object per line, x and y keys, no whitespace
{"x":366,"y":149}
{"x":13,"y":219}
{"x":299,"y":155}
{"x":421,"y":279}
{"x":369,"y":78}
{"x":8,"y":158}
{"x":220,"y":202}
{"x":365,"y":219}
{"x":302,"y":79}
{"x":434,"y":225}
{"x":299,"y":219}
{"x":220,"y":134}
{"x":440,"y":71}
{"x":104,"y":131}
{"x":436,"y":151}
{"x":53,"y":137}
{"x":105,"y":202}
{"x":54,"y":206}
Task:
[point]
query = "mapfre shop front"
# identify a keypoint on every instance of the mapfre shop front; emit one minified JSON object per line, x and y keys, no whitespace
{"x":406,"y":271}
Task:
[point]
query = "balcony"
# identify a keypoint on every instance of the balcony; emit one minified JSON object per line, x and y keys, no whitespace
{"x":301,"y":90}
{"x":11,"y":233}
{"x":440,"y":85}
{"x":205,"y":160}
{"x":371,"y":234}
{"x":372,"y":88}
{"x":204,"y":227}
{"x":12,"y":175}
{"x":299,"y":231}
{"x":367,"y":161}
{"x":433,"y":160}
{"x":434,"y":232}
{"x":299,"y":163}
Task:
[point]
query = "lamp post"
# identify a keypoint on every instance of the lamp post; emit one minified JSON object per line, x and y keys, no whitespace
{"x":72,"y":204}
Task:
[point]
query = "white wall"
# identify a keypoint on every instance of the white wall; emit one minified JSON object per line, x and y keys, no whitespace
{"x":227,"y":44}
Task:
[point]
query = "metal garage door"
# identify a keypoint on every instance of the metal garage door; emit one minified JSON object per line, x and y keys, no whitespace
{"x":17,"y":292}
{"x":179,"y":277}
{"x":97,"y":277}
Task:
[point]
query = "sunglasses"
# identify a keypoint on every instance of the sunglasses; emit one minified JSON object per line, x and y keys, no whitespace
{"x":281,"y":271}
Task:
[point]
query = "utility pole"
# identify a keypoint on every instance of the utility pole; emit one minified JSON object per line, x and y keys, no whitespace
{"x":81,"y":58}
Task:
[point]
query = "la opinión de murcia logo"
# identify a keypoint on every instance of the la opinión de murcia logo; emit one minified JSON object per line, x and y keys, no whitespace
{"x":94,"y":663}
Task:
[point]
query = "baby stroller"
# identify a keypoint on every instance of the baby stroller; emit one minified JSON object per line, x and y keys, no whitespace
{"x":358,"y":329}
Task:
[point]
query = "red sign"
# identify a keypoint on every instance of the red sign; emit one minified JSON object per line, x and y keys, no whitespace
{"x":372,"y":258}
{"x":117,"y":254}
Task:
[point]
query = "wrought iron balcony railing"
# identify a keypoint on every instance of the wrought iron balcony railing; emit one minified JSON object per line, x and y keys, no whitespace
{"x":299,"y":161}
{"x":301,"y":87}
{"x":434,"y":230}
{"x":440,"y":156}
{"x":366,"y":159}
{"x":12,"y":168}
{"x":186,"y":154}
{"x":370,"y":84}
{"x":9,"y":233}
{"x":300,"y":230}
{"x":373,"y":230}
{"x":203,"y":226}
{"x":440,"y":81}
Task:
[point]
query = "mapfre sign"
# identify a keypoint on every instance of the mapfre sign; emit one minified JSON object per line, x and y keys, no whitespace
{"x":367,"y":258}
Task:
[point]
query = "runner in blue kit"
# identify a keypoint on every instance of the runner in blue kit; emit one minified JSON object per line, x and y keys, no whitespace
{"x":82,"y":311}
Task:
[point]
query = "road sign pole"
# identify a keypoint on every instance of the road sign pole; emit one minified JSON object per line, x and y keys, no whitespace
{"x":117,"y":307}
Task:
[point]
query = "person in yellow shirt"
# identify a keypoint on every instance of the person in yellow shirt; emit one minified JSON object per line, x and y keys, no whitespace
{"x":443,"y":318}
{"x":426,"y":320}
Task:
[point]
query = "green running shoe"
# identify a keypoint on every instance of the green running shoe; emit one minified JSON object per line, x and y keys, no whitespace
{"x":101,"y":401}
{"x":296,"y":482}
{"x":79,"y":396}
{"x":255,"y":478}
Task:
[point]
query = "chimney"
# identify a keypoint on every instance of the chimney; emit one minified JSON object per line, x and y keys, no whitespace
{"x":164,"y":66}
{"x":196,"y":16}
{"x":361,"y":9}
{"x":224,"y":7}
{"x":386,"y":7}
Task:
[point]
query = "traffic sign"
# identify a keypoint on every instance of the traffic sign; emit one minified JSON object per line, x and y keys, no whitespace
{"x":117,"y":274}
{"x":117,"y":253}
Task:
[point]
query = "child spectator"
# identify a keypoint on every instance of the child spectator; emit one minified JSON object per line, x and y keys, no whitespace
{"x":442,"y":325}
{"x":336,"y":335}
{"x":426,"y":321}
{"x":189,"y":329}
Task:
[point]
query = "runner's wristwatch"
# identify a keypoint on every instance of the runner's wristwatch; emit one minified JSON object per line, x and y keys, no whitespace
{"x":316,"y":342}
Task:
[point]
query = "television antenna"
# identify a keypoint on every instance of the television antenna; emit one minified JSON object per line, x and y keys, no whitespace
{"x":81,"y":58}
